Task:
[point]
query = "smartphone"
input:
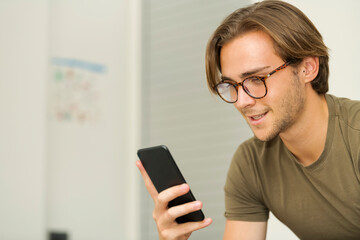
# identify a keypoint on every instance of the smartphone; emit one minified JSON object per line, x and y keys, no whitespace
{"x":164,"y":173}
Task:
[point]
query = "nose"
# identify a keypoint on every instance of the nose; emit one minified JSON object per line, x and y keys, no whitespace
{"x":244,"y":100}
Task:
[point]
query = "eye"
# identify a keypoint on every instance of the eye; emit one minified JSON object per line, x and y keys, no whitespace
{"x":253,"y":81}
{"x":229,"y":81}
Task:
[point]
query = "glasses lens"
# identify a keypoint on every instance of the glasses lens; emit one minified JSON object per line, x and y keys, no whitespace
{"x":254,"y":87}
{"x":227,"y":92}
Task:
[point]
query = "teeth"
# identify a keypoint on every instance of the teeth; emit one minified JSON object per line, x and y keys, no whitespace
{"x":258,"y":117}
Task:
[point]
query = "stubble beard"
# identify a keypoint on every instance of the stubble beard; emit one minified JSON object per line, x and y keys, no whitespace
{"x":292,"y":104}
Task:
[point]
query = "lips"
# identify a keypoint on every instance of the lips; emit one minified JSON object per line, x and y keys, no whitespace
{"x":256,"y":119}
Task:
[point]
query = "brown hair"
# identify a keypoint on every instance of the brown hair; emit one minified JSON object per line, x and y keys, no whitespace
{"x":294,"y":36}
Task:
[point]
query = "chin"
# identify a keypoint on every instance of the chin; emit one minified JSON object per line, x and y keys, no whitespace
{"x":265,"y":137}
{"x":260,"y":138}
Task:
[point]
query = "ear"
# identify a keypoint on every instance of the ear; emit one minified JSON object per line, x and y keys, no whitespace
{"x":309,"y":68}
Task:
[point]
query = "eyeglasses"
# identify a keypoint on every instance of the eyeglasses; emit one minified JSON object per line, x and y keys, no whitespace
{"x":254,"y":86}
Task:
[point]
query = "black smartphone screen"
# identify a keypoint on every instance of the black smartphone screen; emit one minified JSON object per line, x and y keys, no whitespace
{"x":164,"y":173}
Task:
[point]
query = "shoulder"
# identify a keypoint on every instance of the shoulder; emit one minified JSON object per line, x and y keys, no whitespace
{"x":244,"y":157}
{"x":244,"y":192}
{"x":347,"y":110}
{"x":248,"y":148}
{"x":247,"y":153}
{"x":348,"y":114}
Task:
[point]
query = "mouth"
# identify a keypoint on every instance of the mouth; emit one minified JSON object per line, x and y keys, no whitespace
{"x":257,"y":119}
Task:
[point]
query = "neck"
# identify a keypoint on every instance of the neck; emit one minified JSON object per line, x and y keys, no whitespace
{"x":306,"y":137}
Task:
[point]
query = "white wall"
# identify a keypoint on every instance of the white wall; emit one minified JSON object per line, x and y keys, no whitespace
{"x":56,"y":175}
{"x":23,"y":51}
{"x":91,"y":169}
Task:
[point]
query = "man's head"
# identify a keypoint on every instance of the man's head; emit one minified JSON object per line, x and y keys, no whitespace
{"x":294,"y":38}
{"x":270,"y":45}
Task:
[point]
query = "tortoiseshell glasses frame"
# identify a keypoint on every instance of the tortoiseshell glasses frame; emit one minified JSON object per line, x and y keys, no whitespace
{"x":254,"y":86}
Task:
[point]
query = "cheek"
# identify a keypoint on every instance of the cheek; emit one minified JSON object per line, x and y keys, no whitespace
{"x":277,"y":89}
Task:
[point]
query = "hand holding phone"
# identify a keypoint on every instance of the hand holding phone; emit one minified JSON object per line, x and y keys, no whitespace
{"x":164,"y":216}
{"x":164,"y":173}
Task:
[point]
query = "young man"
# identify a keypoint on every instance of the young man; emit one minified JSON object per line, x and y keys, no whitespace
{"x":302,"y":164}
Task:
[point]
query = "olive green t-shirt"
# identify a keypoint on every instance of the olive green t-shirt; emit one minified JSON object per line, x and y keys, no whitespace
{"x":320,"y":201}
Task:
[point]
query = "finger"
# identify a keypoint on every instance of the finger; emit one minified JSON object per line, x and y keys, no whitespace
{"x":171,"y":193}
{"x":190,"y":227}
{"x":185,"y":229}
{"x":181,"y":210}
{"x":148,"y":183}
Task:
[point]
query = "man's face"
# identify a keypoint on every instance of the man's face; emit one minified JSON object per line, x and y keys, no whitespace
{"x":253,"y":53}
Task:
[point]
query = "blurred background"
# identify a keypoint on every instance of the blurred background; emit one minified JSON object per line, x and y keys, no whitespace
{"x":84,"y":84}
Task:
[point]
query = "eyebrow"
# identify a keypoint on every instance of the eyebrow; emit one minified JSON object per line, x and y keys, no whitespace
{"x":248,"y":73}
{"x":253,"y":71}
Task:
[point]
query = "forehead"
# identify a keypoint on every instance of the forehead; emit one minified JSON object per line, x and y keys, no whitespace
{"x":247,"y":51}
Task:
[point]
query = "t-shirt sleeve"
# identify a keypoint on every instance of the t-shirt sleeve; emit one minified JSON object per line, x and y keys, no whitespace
{"x":353,"y":125}
{"x":350,"y":126}
{"x":243,"y":198}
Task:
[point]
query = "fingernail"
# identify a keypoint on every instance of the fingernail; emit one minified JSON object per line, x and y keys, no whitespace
{"x":183,"y":187}
{"x":197,"y":205}
{"x":138,"y":163}
{"x":207,"y":220}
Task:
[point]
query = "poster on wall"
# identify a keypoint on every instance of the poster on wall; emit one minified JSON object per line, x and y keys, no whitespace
{"x":75,"y":90}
